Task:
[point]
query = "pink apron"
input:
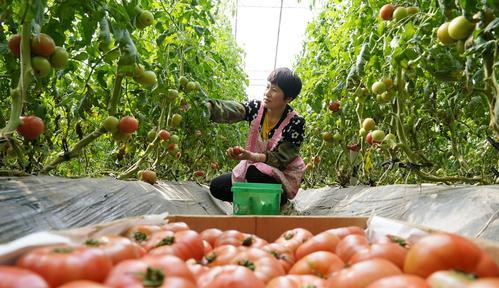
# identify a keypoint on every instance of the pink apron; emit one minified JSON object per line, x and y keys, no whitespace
{"x":291,"y":177}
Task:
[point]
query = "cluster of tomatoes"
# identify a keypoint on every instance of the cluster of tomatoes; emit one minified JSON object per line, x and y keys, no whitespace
{"x":45,"y":55}
{"x":121,"y":129}
{"x":389,"y":12}
{"x":173,"y":255}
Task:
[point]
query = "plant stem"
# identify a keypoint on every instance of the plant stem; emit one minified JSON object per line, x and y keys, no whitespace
{"x":75,"y":150}
{"x":19,"y":93}
{"x":116,"y":93}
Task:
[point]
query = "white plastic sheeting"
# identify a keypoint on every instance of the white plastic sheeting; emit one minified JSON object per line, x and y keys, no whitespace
{"x":468,"y":210}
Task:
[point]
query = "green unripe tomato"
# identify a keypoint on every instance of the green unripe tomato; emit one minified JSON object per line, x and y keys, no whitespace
{"x":378,"y":87}
{"x":378,"y":136}
{"x":41,"y":66}
{"x":59,"y":59}
{"x":337,"y":137}
{"x":151,"y":135}
{"x":362,"y":132}
{"x":368,"y":124}
{"x":412,"y":10}
{"x":144,"y":19}
{"x":111,"y":124}
{"x":176,"y":120}
{"x":174,"y":139}
{"x":191,"y":86}
{"x":172,"y":95}
{"x":327,"y":136}
{"x":147,"y":79}
{"x":460,"y":28}
{"x":390,"y":137}
{"x":183,"y":81}
{"x":443,"y":34}
{"x":400,"y":13}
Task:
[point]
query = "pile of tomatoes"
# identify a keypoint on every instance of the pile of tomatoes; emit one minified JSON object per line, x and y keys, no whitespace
{"x":173,"y":255}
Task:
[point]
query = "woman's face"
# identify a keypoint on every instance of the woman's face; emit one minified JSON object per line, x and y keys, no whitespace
{"x":273,"y":98}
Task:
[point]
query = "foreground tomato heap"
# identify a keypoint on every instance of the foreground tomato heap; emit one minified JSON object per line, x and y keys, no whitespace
{"x":173,"y":255}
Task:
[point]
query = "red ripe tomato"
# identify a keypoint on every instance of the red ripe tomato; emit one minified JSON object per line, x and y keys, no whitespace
{"x":449,"y":279}
{"x":15,"y":45}
{"x":282,"y":253}
{"x":82,"y":284}
{"x":141,"y":233}
{"x":485,"y":283}
{"x":207,"y":247}
{"x":442,"y":251}
{"x":164,"y":135}
{"x":393,"y":239}
{"x":386,"y":12}
{"x":184,"y":244}
{"x":58,"y":265}
{"x":400,"y":281}
{"x":487,"y":267}
{"x":175,"y":226}
{"x":264,"y":265}
{"x":211,"y":235}
{"x":150,"y":269}
{"x":324,"y":241}
{"x":294,"y":238}
{"x":320,"y":263}
{"x":334,"y":106}
{"x":177,"y":282}
{"x":31,"y":127}
{"x":117,"y":248}
{"x":389,"y":251}
{"x":42,"y":45}
{"x":199,"y":173}
{"x":128,"y":124}
{"x":236,"y":238}
{"x":350,"y":245}
{"x":221,"y":255}
{"x":196,"y":268}
{"x":237,"y":150}
{"x":342,"y":232}
{"x":362,"y":274}
{"x":369,"y":138}
{"x":297,"y":281}
{"x":15,"y":277}
{"x":229,"y":276}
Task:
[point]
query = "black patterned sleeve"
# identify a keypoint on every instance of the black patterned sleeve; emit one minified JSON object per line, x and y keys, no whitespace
{"x":251,"y":108}
{"x":294,"y":132}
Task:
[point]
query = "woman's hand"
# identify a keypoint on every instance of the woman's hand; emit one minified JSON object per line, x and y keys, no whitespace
{"x":238,"y":153}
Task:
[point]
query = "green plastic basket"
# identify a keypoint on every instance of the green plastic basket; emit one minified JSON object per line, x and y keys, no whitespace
{"x":256,"y":198}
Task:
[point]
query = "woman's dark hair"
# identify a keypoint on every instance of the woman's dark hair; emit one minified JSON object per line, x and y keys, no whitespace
{"x":287,"y":81}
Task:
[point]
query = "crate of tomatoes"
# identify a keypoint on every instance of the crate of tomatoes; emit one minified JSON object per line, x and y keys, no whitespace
{"x":249,"y":251}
